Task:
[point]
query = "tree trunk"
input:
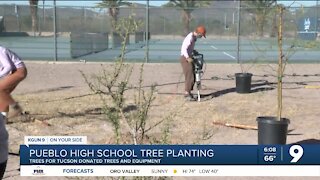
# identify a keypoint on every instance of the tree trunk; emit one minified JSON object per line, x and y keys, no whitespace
{"x":260,"y":24}
{"x":280,"y":64}
{"x":113,"y":12}
{"x":274,"y":26}
{"x":186,"y":22}
{"x":34,"y":13}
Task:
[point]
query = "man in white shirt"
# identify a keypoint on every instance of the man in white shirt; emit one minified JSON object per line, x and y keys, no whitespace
{"x":12,"y":72}
{"x":187,"y":61}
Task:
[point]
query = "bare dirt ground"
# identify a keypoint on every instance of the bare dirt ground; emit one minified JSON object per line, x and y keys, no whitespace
{"x":59,"y":102}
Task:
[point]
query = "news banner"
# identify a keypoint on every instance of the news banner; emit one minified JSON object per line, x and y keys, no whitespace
{"x":72,"y":156}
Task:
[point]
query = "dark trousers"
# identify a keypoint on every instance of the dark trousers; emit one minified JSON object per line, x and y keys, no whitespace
{"x":2,"y":169}
{"x":188,"y":71}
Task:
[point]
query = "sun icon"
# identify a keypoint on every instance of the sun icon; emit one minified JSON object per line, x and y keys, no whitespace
{"x":175,"y":171}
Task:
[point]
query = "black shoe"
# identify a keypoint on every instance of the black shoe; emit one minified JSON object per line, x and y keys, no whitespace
{"x":189,"y":97}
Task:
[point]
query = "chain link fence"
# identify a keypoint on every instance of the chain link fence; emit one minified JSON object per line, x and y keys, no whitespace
{"x":85,"y":33}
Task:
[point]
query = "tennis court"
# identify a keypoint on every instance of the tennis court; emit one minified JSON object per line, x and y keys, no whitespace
{"x":160,"y":50}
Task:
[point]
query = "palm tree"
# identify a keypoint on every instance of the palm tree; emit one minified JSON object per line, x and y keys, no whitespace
{"x":113,"y":9}
{"x":260,"y":8}
{"x":34,"y":12}
{"x":187,"y":6}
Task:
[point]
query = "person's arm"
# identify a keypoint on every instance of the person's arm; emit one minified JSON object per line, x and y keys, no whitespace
{"x":7,"y":65}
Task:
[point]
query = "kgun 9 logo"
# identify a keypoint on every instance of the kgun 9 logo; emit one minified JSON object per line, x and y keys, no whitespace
{"x":296,"y":151}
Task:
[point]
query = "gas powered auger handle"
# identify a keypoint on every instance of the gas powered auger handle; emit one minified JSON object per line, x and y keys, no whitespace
{"x":198,"y":65}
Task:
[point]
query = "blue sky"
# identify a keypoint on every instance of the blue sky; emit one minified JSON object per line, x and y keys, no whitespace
{"x":151,"y":2}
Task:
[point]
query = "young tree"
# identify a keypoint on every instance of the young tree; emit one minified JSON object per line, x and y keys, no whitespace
{"x":187,"y":6}
{"x":113,"y":9}
{"x":281,"y":59}
{"x":34,"y":13}
{"x":112,"y":87}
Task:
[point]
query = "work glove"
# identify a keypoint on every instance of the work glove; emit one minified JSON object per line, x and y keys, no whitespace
{"x":190,"y":60}
{"x":195,"y":52}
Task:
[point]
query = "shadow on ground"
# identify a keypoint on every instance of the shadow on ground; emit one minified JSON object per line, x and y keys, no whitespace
{"x":255,"y":87}
{"x":308,"y":141}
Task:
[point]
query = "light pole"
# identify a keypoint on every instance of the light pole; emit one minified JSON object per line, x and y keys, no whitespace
{"x":164,"y":25}
{"x":16,"y":10}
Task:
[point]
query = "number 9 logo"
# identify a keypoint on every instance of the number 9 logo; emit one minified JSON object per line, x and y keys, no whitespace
{"x":296,"y":151}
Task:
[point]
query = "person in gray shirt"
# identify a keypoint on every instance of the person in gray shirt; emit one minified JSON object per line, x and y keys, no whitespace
{"x":3,"y":146}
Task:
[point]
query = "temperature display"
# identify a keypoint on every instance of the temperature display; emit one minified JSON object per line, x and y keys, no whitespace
{"x":270,"y":154}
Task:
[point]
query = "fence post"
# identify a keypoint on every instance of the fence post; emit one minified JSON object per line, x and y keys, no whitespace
{"x":238,"y":32}
{"x":43,"y":15}
{"x":147,"y":32}
{"x":317,"y":19}
{"x":55,"y":29}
